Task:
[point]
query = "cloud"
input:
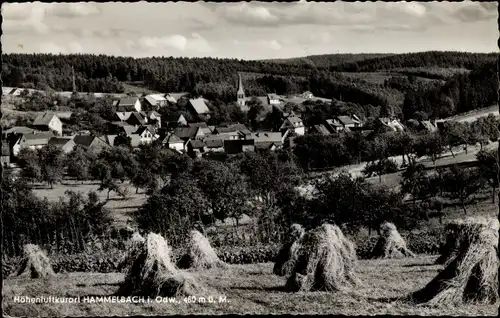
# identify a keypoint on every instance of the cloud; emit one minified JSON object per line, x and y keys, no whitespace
{"x":356,"y":15}
{"x":270,"y":44}
{"x":177,"y":42}
{"x":73,"y":10}
{"x":199,"y":44}
{"x":16,"y":19}
{"x":51,"y":47}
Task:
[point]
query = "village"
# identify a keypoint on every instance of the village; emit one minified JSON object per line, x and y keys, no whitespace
{"x":195,"y":138}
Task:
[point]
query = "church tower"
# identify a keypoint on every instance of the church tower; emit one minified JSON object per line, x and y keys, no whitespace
{"x":240,"y":95}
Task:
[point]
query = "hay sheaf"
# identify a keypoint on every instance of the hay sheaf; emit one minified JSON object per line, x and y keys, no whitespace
{"x":325,"y":261}
{"x":390,"y":243}
{"x":135,"y":242}
{"x":472,"y":275}
{"x":287,"y":255}
{"x":151,"y":272}
{"x":455,"y":232}
{"x":35,"y":263}
{"x":200,"y":254}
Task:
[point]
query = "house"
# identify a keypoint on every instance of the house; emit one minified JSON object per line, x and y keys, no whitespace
{"x":48,"y":122}
{"x":273,"y":99}
{"x":198,"y":107}
{"x":146,"y":134}
{"x":121,"y":127}
{"x":32,"y":141}
{"x":293,"y":123}
{"x":196,"y":148}
{"x":5,"y":158}
{"x":173,"y":142}
{"x":135,"y":140}
{"x":267,"y":140}
{"x":92,"y":143}
{"x":17,"y":130}
{"x":156,"y":100}
{"x":174,"y":97}
{"x":110,"y":139}
{"x":128,"y":104}
{"x":176,"y":120}
{"x":392,"y":123}
{"x":154,"y":117}
{"x":428,"y":125}
{"x":348,"y":122}
{"x":214,"y":144}
{"x":136,"y":119}
{"x":65,"y":144}
{"x":187,"y":133}
{"x":236,"y":146}
{"x":307,"y":95}
{"x":319,"y":129}
{"x":64,"y":115}
{"x":232,"y":131}
{"x":333,"y":125}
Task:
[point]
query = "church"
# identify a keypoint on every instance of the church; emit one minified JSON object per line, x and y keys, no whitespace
{"x":240,"y":95}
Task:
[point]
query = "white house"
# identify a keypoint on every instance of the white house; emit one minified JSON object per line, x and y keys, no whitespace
{"x":146,"y":135}
{"x":48,"y":122}
{"x":273,"y":99}
{"x":173,"y":142}
{"x":32,"y":141}
{"x":392,"y":123}
{"x":295,"y":124}
{"x":156,"y":100}
{"x":128,"y":104}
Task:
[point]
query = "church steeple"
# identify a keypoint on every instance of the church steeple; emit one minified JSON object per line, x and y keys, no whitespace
{"x":240,"y":95}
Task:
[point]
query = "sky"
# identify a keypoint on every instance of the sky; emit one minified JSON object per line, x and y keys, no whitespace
{"x":248,"y":30}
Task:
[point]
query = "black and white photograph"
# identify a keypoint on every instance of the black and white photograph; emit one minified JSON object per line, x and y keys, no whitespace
{"x":262,"y":158}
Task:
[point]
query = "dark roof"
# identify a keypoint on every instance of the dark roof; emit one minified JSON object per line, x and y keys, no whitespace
{"x":264,"y":137}
{"x":214,"y":143}
{"x":197,"y":144}
{"x":200,"y":124}
{"x":172,"y":139}
{"x":346,"y":120}
{"x":321,"y":129}
{"x":39,"y":138}
{"x":186,"y":132}
{"x":294,"y":119}
{"x":127,"y":101}
{"x":138,"y":116}
{"x":59,"y":141}
{"x":84,"y":140}
{"x":19,"y":130}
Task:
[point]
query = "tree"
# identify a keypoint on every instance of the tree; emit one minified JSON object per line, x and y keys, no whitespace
{"x":52,"y":164}
{"x":122,"y":140}
{"x":29,"y":163}
{"x":224,"y":187}
{"x":430,"y":145}
{"x":174,"y":209}
{"x":255,"y":109}
{"x":416,"y":181}
{"x":460,"y":184}
{"x":78,"y":163}
{"x":489,"y":168}
{"x":454,"y":134}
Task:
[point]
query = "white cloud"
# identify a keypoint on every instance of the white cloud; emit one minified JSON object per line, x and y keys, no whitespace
{"x":51,"y":47}
{"x":177,"y":42}
{"x":73,"y":10}
{"x":199,"y":44}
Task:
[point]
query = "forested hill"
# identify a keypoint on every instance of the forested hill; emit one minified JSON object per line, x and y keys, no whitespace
{"x":329,"y":60}
{"x":422,"y":59}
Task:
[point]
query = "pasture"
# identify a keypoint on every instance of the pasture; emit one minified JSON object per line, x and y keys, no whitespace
{"x":248,"y":289}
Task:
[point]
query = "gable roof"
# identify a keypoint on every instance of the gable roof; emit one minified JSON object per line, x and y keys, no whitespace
{"x":264,"y":137}
{"x":153,"y":99}
{"x":175,"y":117}
{"x":19,"y":130}
{"x":346,"y":120}
{"x":43,"y":119}
{"x":142,"y":129}
{"x":41,"y":138}
{"x":333,"y":123}
{"x":214,"y":143}
{"x":321,"y":129}
{"x":129,"y":130}
{"x":60,"y":141}
{"x":199,"y":124}
{"x":428,"y":125}
{"x":196,"y":144}
{"x":186,"y":132}
{"x":110,"y":139}
{"x":174,"y":97}
{"x":84,"y":140}
{"x":294,"y":119}
{"x":138,"y":117}
{"x":199,"y":106}
{"x":153,"y":113}
{"x":172,"y":139}
{"x":126,"y":103}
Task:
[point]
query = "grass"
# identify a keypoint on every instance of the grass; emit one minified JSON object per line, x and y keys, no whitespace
{"x":249,"y":289}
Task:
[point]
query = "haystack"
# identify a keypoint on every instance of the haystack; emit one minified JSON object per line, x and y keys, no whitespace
{"x":151,"y":273}
{"x":324,"y":262}
{"x":135,"y":242}
{"x":390,"y":243}
{"x":285,"y":260}
{"x":200,"y":254}
{"x":35,"y":263}
{"x":455,"y":231}
{"x":472,"y":276}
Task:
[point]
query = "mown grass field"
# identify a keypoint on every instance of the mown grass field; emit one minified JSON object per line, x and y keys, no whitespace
{"x":249,"y":289}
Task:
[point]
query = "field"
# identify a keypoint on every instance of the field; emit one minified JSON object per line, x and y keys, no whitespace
{"x":476,"y":114}
{"x":249,"y":289}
